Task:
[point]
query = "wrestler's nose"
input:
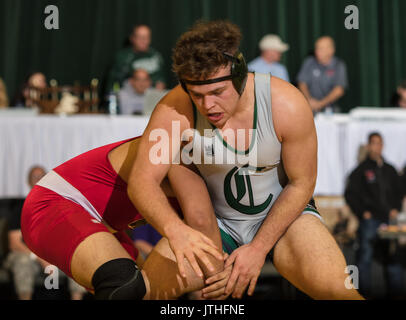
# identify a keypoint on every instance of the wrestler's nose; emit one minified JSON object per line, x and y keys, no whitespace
{"x":208,"y":103}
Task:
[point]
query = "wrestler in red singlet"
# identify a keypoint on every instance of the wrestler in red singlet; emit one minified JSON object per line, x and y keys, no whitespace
{"x":75,"y":200}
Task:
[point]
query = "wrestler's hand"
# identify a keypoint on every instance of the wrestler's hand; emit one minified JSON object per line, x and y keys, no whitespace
{"x":248,"y":262}
{"x":216,"y":285}
{"x":189,"y":243}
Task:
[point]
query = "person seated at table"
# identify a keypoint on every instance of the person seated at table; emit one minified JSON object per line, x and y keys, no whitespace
{"x":36,"y":80}
{"x":373,"y":193}
{"x":131,"y":97}
{"x":399,"y":97}
{"x":323,"y":78}
{"x":3,"y":95}
{"x":140,"y":55}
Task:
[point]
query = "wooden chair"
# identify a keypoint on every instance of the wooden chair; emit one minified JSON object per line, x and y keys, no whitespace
{"x":48,"y":99}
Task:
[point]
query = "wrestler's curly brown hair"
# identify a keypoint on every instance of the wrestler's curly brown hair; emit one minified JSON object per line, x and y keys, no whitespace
{"x":198,"y":53}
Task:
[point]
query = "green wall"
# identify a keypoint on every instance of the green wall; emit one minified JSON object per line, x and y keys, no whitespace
{"x":91,"y":31}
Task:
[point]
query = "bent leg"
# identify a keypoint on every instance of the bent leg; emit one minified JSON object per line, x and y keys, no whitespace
{"x":93,"y":252}
{"x":102,"y":247}
{"x":308,"y":256}
{"x":164,"y":280}
{"x":64,"y":234}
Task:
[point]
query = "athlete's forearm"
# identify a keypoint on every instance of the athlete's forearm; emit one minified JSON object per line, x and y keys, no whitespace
{"x":150,"y":200}
{"x":194,"y":199}
{"x":210,"y":229}
{"x":286,"y":209}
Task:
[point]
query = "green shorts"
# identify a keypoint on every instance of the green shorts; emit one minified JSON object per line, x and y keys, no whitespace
{"x":229,"y":244}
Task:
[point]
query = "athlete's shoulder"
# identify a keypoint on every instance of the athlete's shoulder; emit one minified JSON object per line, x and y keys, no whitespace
{"x":287,"y":98}
{"x":289,"y":106}
{"x":176,"y":105}
{"x":176,"y":99}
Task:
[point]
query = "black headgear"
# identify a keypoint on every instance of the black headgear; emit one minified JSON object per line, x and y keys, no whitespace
{"x":239,"y":71}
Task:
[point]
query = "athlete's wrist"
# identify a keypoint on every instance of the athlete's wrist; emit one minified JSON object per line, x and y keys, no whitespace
{"x":260,"y":247}
{"x":172,"y":229}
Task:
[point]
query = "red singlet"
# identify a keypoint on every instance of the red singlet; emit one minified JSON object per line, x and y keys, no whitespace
{"x":70,"y":203}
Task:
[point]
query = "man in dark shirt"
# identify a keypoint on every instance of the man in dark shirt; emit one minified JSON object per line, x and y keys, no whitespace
{"x":139,"y":56}
{"x":323,"y":78}
{"x":374,"y":194}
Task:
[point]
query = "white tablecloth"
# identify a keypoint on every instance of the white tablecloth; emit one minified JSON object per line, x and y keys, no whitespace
{"x":50,"y":140}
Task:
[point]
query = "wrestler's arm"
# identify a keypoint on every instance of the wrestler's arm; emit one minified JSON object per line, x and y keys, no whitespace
{"x":170,"y":118}
{"x":193,"y":197}
{"x":294,"y":126}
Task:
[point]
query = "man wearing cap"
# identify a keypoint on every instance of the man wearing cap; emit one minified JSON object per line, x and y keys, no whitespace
{"x":272,"y":48}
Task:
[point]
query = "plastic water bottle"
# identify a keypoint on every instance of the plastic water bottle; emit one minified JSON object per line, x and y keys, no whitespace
{"x":329,"y":110}
{"x":113,"y":105}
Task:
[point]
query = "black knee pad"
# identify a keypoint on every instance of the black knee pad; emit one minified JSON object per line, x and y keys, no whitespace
{"x":118,"y":279}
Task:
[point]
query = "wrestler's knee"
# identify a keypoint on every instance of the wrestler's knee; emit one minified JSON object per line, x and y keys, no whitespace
{"x":119,"y":279}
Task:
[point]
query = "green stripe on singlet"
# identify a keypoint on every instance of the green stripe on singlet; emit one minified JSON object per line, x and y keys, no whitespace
{"x":229,"y":244}
{"x":311,"y":208}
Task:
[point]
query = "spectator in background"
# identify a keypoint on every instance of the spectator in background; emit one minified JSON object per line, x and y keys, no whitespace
{"x":345,"y":229}
{"x":139,"y":56}
{"x":3,"y":95}
{"x":272,"y":48}
{"x":399,"y":98}
{"x":25,"y":265}
{"x":132,"y":95}
{"x":323,"y":78}
{"x":374,"y":194}
{"x":35,"y":80}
